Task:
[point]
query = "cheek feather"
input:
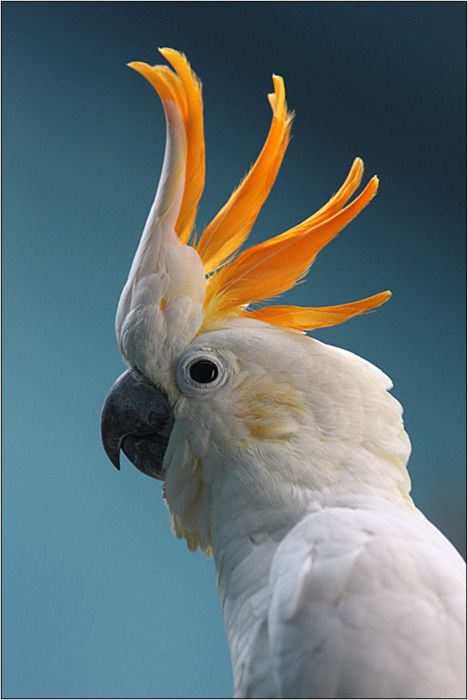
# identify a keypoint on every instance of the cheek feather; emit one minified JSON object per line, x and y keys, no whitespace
{"x":268,"y":409}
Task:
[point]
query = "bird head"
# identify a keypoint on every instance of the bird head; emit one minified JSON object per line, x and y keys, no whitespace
{"x":224,"y":393}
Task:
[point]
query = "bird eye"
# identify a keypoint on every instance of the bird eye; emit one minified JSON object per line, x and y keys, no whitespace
{"x":202,"y":370}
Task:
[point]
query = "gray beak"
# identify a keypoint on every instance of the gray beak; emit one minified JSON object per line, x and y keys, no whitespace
{"x":137,"y":419}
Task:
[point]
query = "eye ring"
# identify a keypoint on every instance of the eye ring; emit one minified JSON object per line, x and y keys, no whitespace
{"x":202,"y":370}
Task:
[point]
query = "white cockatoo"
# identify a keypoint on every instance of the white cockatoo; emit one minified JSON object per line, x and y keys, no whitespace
{"x":282,"y":457}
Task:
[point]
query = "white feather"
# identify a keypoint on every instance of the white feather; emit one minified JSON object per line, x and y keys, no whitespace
{"x":367,"y":601}
{"x":332,"y":583}
{"x":161,"y":306}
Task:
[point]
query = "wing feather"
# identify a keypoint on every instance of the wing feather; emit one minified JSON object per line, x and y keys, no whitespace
{"x":367,"y":602}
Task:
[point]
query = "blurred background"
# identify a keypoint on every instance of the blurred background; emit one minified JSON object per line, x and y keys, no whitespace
{"x":99,"y":599}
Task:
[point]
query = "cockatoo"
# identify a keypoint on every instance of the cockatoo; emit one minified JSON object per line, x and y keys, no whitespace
{"x":282,"y":457}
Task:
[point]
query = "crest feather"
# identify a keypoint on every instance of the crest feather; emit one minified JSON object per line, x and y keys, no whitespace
{"x":234,"y":280}
{"x":225,"y":234}
{"x":308,"y":318}
{"x":183,"y":88}
{"x":337,"y":202}
{"x":272,"y":267}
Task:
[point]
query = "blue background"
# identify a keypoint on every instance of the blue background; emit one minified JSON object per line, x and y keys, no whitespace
{"x":99,"y":599}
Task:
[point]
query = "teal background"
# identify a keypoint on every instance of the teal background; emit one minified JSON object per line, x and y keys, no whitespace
{"x":99,"y":599}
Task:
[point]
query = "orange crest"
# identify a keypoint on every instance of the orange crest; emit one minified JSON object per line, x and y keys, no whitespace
{"x":236,"y":280}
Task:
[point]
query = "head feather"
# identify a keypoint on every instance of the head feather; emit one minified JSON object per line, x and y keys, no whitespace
{"x":184,"y":89}
{"x":236,"y":280}
{"x":226,"y":233}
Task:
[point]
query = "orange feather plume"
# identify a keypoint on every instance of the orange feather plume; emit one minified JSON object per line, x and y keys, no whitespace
{"x":236,"y":281}
{"x":231,"y":226}
{"x":272,"y":267}
{"x":307,"y":318}
{"x":183,"y":88}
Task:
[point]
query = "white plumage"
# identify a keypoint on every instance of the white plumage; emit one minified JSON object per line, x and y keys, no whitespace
{"x":332,"y":583}
{"x":288,"y":463}
{"x":374,"y":598}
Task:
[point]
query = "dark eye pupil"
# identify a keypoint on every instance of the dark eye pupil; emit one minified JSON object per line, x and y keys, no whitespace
{"x":203,"y":371}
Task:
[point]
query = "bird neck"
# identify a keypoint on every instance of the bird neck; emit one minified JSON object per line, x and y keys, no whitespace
{"x":245,"y":538}
{"x":243,"y":549}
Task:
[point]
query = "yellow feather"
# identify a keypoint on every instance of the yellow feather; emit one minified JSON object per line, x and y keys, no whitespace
{"x":195,"y":171}
{"x":272,"y":267}
{"x":183,"y":88}
{"x":163,"y":80}
{"x":306,"y":319}
{"x":337,"y":202}
{"x":228,"y":230}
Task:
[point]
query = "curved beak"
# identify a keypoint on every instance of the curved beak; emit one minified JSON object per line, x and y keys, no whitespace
{"x":137,"y":419}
